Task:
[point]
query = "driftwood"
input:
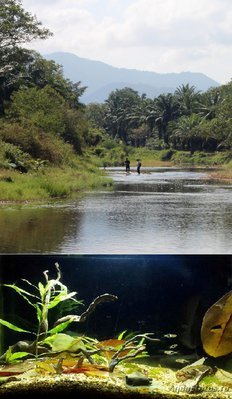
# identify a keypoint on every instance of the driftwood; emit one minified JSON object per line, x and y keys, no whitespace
{"x":81,"y":318}
{"x":116,"y":358}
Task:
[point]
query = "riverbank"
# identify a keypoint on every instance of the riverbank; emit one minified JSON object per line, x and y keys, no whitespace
{"x":220,"y":162}
{"x":49,"y":183}
{"x":53,"y":182}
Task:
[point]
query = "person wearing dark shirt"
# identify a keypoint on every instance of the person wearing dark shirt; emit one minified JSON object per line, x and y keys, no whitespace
{"x":127,"y":163}
{"x":138,"y":166}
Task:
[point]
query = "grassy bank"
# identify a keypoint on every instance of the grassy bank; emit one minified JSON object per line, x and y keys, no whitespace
{"x":221,"y":162}
{"x":49,"y":183}
{"x":223,"y":174}
{"x":116,"y":155}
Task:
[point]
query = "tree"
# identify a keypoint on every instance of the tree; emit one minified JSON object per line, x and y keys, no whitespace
{"x":120,"y":108}
{"x":95,"y":113}
{"x":17,"y":27}
{"x":186,"y":133}
{"x":43,"y":107}
{"x":167,"y":111}
{"x":40,"y":72}
{"x":187,"y":98}
{"x":209,"y":102}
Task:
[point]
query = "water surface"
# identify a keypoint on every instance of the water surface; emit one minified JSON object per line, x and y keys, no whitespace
{"x":162,"y":210}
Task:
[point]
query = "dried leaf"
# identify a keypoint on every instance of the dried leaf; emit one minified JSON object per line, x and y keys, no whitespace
{"x":216,"y":329}
{"x":110,"y":346}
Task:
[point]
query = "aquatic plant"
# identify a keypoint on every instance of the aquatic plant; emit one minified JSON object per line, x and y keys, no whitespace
{"x":46,"y":296}
{"x":64,"y":353}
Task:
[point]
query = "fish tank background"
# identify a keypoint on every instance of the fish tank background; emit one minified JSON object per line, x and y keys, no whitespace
{"x":166,"y":295}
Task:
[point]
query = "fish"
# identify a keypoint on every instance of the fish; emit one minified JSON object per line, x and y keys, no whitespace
{"x":182,"y":361}
{"x":170,"y":353}
{"x":170,"y":335}
{"x":173,"y":346}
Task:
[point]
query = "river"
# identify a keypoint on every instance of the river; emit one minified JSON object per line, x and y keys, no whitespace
{"x":160,"y":211}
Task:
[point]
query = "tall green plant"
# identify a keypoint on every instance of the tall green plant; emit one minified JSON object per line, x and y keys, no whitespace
{"x":46,"y":296}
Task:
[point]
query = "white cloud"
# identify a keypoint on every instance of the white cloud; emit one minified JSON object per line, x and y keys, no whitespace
{"x":158,"y":35}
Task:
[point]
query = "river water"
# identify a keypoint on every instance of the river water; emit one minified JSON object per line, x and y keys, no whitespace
{"x":160,"y":211}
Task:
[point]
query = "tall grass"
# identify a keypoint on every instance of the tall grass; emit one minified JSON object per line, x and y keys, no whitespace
{"x":49,"y":183}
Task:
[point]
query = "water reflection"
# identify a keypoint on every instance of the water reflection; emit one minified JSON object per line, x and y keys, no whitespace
{"x":27,"y":229}
{"x":160,"y":211}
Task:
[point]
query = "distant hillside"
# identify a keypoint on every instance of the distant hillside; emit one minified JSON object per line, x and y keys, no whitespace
{"x":101,"y":78}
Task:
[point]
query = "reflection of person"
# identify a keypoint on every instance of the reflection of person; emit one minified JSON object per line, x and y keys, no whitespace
{"x":127,"y":163}
{"x":138,"y":166}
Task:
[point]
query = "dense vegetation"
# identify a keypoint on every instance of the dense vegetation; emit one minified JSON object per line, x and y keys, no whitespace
{"x":47,"y":131}
{"x":187,"y":120}
{"x":43,"y":128}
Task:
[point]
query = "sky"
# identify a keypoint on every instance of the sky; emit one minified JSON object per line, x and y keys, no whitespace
{"x":150,"y":35}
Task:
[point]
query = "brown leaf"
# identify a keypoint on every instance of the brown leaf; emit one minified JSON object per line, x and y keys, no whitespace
{"x":216,"y":329}
{"x":110,"y":346}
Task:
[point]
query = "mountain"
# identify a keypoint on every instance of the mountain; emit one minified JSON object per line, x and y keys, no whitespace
{"x":101,"y":78}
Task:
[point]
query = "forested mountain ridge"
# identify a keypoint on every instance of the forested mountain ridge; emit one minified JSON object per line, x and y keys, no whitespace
{"x":101,"y":78}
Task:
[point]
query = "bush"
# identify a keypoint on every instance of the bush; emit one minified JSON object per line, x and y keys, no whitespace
{"x":35,"y":143}
{"x":166,"y":155}
{"x":16,"y":158}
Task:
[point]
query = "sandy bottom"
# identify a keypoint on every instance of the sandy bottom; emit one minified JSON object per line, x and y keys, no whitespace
{"x":102,"y":384}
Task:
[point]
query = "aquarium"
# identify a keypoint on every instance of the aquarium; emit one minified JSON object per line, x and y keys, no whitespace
{"x":116,"y":326}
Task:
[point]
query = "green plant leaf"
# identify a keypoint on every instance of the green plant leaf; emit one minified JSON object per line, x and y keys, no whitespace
{"x":41,"y":289}
{"x":12,"y":326}
{"x":60,"y":298}
{"x":16,"y":355}
{"x":60,"y":327}
{"x":22,"y":292}
{"x":59,"y":342}
{"x":38,"y":312}
{"x":120,"y":336}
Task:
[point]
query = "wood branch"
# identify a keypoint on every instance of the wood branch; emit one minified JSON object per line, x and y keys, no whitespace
{"x":115,"y":360}
{"x":89,"y":310}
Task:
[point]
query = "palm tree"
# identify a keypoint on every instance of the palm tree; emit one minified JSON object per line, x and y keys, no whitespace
{"x":187,"y":98}
{"x":120,"y":106}
{"x":209,"y":102}
{"x":186,"y":133}
{"x":167,"y":110}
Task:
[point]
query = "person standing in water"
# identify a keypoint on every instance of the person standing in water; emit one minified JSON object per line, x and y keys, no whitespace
{"x":127,"y":163}
{"x":138,"y":166}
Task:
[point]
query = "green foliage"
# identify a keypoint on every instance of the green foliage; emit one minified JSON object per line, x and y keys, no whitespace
{"x":14,"y":357}
{"x":15,"y":157}
{"x":33,"y":146}
{"x":17,"y":27}
{"x":45,"y":113}
{"x":64,"y":342}
{"x":43,"y":298}
{"x":40,"y":72}
{"x":120,"y":112}
{"x":166,"y":155}
{"x":186,"y":120}
{"x":95,"y":113}
{"x":44,"y":123}
{"x":43,"y":107}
